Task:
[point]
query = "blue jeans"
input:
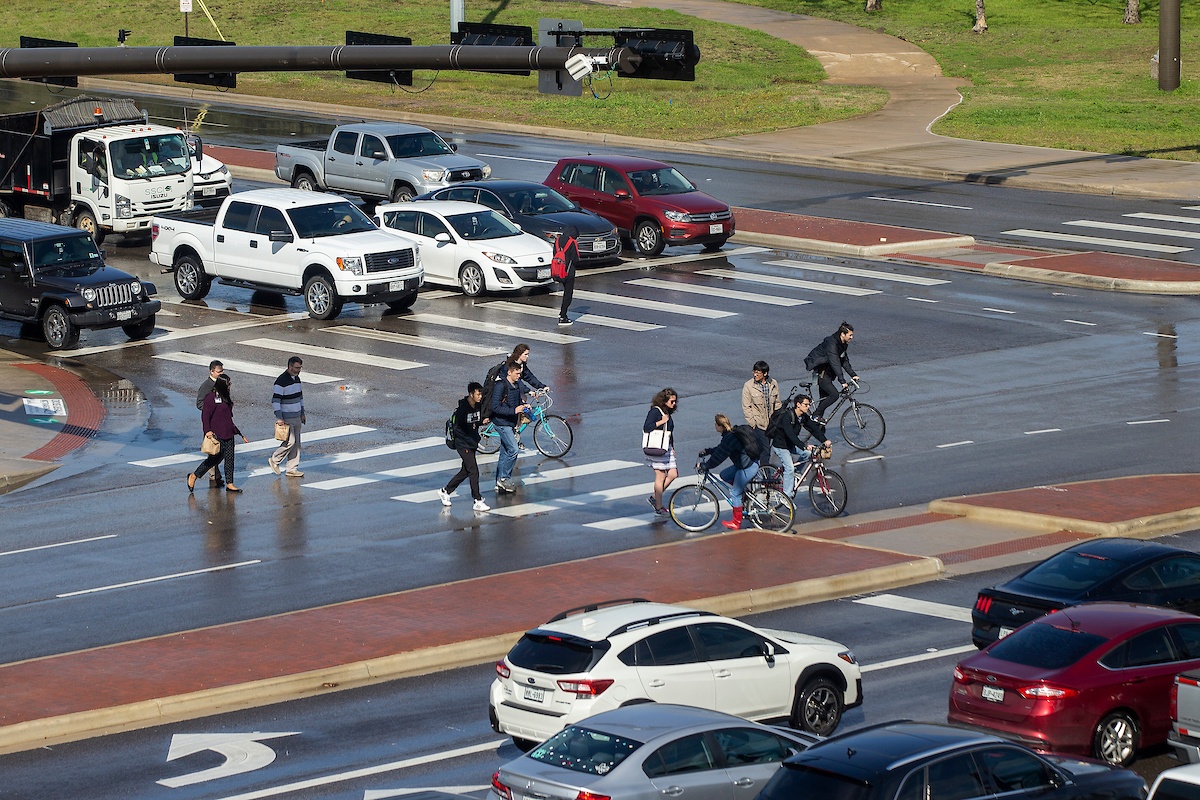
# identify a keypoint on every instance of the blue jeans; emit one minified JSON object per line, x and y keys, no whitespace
{"x":738,"y":478}
{"x":789,"y":470}
{"x":508,"y":450}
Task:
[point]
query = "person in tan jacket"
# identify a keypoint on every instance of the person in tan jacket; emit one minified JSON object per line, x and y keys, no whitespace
{"x":760,"y":399}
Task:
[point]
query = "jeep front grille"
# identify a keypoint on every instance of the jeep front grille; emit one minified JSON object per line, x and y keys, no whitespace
{"x":116,"y":294}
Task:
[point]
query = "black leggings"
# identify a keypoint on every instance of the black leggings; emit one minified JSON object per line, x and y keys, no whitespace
{"x":469,"y":469}
{"x":210,"y":462}
{"x":829,"y":392}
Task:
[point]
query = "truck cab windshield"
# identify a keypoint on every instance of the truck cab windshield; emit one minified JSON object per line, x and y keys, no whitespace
{"x":150,"y":156}
{"x":54,"y":254}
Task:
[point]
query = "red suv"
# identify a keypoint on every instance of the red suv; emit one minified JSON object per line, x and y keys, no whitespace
{"x":648,"y":201}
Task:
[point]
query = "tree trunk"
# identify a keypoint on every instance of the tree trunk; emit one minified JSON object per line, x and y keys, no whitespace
{"x":874,"y":5}
{"x":1133,"y":15}
{"x":981,"y":19}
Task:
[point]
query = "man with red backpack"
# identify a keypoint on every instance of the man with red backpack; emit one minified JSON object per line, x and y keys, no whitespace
{"x":563,"y":266}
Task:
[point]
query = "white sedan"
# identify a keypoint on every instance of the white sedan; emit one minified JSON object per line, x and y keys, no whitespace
{"x":469,"y":245}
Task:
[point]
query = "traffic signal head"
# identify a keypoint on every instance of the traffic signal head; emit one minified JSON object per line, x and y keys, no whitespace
{"x":660,"y":53}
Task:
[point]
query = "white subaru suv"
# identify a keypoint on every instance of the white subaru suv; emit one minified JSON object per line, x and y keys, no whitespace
{"x":599,"y":657}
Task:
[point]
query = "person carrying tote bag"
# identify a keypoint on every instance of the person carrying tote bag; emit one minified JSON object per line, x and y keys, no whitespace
{"x":658,"y":434}
{"x":217,"y":417}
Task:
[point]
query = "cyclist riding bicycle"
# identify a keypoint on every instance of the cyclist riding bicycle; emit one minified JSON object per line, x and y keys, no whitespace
{"x":828,"y":360}
{"x":789,"y":426}
{"x":741,"y":448}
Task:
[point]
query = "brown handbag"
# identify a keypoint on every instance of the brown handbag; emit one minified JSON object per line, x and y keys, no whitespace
{"x":282,"y":430}
{"x":211,"y":444}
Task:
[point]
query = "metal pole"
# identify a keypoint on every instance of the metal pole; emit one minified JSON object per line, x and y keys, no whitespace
{"x":1168,"y":45}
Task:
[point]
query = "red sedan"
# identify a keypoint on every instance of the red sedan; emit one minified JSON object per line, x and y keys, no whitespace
{"x":1093,"y":679}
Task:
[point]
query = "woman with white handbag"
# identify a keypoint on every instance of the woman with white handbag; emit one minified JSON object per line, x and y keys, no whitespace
{"x":658,"y":447}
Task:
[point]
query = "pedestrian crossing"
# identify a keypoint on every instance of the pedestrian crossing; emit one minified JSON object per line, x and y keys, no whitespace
{"x":1120,"y":236}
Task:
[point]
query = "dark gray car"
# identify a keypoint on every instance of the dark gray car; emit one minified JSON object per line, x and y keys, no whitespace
{"x":648,"y":751}
{"x":541,"y":211}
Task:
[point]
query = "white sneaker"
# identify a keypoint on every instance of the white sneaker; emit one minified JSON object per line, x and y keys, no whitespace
{"x":445,"y":498}
{"x":481,"y":506}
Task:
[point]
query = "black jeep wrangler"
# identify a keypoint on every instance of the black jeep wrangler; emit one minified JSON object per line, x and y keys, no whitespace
{"x":56,"y":277}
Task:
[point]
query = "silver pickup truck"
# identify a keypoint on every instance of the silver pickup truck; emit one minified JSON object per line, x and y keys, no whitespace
{"x":377,"y":160}
{"x":1184,"y":736}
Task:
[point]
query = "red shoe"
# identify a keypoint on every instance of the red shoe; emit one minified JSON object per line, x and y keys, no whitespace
{"x":735,"y":523}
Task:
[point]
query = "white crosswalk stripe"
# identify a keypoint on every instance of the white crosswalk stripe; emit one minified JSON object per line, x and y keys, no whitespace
{"x":1165,"y":218}
{"x":858,"y":272}
{"x":542,"y":506}
{"x":478,"y":326}
{"x":191,"y":333}
{"x":914,"y":606}
{"x":655,"y":263}
{"x":592,"y":319}
{"x":441,"y":345}
{"x":717,"y":291}
{"x":374,"y":452}
{"x":363,"y":359}
{"x":1123,"y":228}
{"x":655,"y":305}
{"x":236,"y":366}
{"x":791,"y":283}
{"x":308,"y":436}
{"x":1097,"y":241}
{"x":413,"y":471}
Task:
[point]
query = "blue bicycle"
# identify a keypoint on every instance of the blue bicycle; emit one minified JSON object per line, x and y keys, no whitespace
{"x":552,"y":434}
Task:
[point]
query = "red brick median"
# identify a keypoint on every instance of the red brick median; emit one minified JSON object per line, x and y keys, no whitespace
{"x":1109,"y":500}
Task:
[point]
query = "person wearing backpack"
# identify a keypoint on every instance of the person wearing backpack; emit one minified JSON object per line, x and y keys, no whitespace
{"x":506,"y":405}
{"x":760,"y":399}
{"x":464,"y":435}
{"x":831,"y":359}
{"x":787,"y":429}
{"x":740,"y":446}
{"x":563,"y":266}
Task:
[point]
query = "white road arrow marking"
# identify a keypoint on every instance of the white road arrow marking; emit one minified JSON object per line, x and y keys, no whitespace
{"x":382,"y":794}
{"x":243,"y":753}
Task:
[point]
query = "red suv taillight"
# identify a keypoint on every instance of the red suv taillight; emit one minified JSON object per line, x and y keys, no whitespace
{"x":502,"y":669}
{"x":499,"y":788}
{"x":1042,"y":691}
{"x":586,"y":688}
{"x":960,"y":676}
{"x":591,"y":796}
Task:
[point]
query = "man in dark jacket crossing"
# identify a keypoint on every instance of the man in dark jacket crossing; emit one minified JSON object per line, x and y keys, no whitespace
{"x":467,"y":419}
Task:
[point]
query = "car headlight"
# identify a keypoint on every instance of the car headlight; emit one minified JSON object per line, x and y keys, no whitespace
{"x":848,"y":656}
{"x":676,"y":216}
{"x":124,"y":207}
{"x":136,"y":288}
{"x":499,"y":258}
{"x":487,"y":171}
{"x":434,"y":175}
{"x":89,"y":294}
{"x":224,"y":170}
{"x":352,"y":264}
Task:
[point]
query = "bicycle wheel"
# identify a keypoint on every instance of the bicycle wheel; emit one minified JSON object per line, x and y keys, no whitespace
{"x":552,"y":436}
{"x":770,"y":509}
{"x":827,"y":492}
{"x":489,"y":439}
{"x":862,"y":426}
{"x":694,"y":508}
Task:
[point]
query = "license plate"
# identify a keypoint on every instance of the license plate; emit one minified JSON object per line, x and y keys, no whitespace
{"x":396,"y":286}
{"x":124,"y":315}
{"x":1004,"y":632}
{"x":209,"y":192}
{"x":535,"y":694}
{"x":543,"y":274}
{"x":599,"y":247}
{"x":993,"y":693}
{"x":718,"y":228}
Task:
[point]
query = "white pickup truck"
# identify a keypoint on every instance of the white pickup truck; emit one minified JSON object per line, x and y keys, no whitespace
{"x":1177,"y":783}
{"x":292,"y":242}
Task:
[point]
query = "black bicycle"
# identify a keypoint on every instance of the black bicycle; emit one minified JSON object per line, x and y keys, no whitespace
{"x":862,"y":425}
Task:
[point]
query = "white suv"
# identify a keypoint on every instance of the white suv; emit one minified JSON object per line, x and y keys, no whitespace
{"x":604,"y":656}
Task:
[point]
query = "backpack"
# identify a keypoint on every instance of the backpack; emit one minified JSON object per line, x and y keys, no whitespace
{"x":450,"y":431}
{"x":777,"y":418}
{"x":750,"y":446}
{"x":558,"y":264}
{"x":493,"y":375}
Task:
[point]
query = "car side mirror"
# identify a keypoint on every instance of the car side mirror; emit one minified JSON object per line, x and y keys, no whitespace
{"x":453,"y":147}
{"x":280,"y":236}
{"x":622,"y":194}
{"x":768,"y":652}
{"x":1057,"y":780}
{"x":443,"y":238}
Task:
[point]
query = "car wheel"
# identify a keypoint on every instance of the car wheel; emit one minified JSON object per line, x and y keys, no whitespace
{"x":191,"y":281}
{"x":404,"y":303}
{"x":471,"y":279}
{"x":58,"y":329}
{"x":1116,"y":739}
{"x":85,"y":220}
{"x":713,"y":247}
{"x":402,"y":193}
{"x":321,"y":299}
{"x":818,"y":707}
{"x":305,"y":182}
{"x":524,"y":745}
{"x":648,"y":238}
{"x":140,"y":330}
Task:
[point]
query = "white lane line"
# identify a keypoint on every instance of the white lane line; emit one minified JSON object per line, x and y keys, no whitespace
{"x":160,"y":578}
{"x":864,"y":458}
{"x":591,"y":319}
{"x":366,"y":772}
{"x":998,"y":310}
{"x":374,"y":452}
{"x":1164,"y":218}
{"x":1146,"y":421}
{"x":1096,"y":240}
{"x":236,"y":366}
{"x":57,"y":544}
{"x":859,"y":272}
{"x":716,"y":291}
{"x":791,"y":283}
{"x":515,"y":158}
{"x":363,"y":359}
{"x":625,"y":523}
{"x":260,"y":445}
{"x":387,"y":794}
{"x":1043,"y":430}
{"x":1161,"y":335}
{"x":441,"y":345}
{"x":476,"y":326}
{"x":911,"y":605}
{"x":1080,"y":322}
{"x":655,"y":305}
{"x":955,"y":444}
{"x":899,"y":662}
{"x":575,"y":501}
{"x":922,"y":299}
{"x":918,"y":202}
{"x":207,"y":330}
{"x":1117,"y":226}
{"x":533,"y":479}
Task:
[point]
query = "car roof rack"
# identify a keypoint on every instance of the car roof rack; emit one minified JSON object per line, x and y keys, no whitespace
{"x":645,"y":623}
{"x":570,"y":612}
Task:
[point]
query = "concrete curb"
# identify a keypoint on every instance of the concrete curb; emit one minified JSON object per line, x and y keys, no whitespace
{"x":1146,"y":527}
{"x":17,"y":472}
{"x":1001,"y":269}
{"x":842,"y":249}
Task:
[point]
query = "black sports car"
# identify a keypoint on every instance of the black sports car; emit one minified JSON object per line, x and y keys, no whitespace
{"x":541,"y":211}
{"x":1125,"y":570}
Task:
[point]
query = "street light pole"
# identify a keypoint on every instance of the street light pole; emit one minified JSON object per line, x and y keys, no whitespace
{"x":1168,"y":45}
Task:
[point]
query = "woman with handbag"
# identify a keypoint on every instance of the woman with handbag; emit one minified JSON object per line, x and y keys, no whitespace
{"x":658,"y":445}
{"x":217,"y":416}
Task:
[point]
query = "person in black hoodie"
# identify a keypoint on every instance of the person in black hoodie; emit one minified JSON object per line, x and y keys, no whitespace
{"x":790,"y":424}
{"x":741,"y":470}
{"x":831,"y":359}
{"x":467,"y":419}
